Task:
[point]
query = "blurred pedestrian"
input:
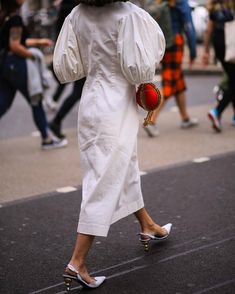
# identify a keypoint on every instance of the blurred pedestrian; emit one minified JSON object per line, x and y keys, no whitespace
{"x":220,"y":12}
{"x":98,"y":40}
{"x":173,"y":82}
{"x":17,"y":62}
{"x":67,"y":105}
{"x":64,"y":7}
{"x":56,"y":123}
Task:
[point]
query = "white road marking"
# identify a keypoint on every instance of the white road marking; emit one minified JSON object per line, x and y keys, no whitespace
{"x":66,"y":189}
{"x":142,"y":173}
{"x":174,"y":109}
{"x":201,"y":159}
{"x":35,"y":134}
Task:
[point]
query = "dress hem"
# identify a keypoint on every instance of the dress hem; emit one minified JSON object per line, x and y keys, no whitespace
{"x":102,"y":230}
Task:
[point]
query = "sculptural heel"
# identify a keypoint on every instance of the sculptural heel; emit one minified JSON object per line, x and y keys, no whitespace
{"x":145,"y":238}
{"x":67,"y":282}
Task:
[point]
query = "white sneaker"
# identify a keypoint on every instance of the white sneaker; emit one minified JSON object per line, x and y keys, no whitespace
{"x":152,"y":130}
{"x":190,"y":123}
{"x":53,"y":144}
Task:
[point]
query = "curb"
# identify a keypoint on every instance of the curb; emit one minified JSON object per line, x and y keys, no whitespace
{"x":195,"y":72}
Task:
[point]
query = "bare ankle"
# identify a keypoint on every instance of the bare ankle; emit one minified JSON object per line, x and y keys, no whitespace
{"x":148,"y":227}
{"x":155,"y":229}
{"x":78,"y":264}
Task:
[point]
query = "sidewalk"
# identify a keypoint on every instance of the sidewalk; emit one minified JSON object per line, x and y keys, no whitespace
{"x":26,"y":171}
{"x":198,"y":68}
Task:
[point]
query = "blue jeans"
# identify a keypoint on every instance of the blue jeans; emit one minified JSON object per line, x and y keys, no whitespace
{"x":13,"y":77}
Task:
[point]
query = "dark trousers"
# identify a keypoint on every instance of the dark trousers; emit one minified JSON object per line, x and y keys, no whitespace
{"x":59,"y":87}
{"x":13,"y":77}
{"x":70,"y":101}
{"x":229,"y":68}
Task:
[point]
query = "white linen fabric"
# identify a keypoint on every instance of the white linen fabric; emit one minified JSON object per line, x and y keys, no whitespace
{"x":116,"y":47}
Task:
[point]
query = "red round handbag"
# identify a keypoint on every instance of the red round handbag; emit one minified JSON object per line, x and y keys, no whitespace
{"x":149,"y":98}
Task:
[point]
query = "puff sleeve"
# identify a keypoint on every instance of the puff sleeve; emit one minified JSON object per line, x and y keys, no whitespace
{"x":140,"y":47}
{"x":67,"y":62}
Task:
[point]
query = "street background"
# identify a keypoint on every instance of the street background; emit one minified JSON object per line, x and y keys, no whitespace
{"x":187,"y":179}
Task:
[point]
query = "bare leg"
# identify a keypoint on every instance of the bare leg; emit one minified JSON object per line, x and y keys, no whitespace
{"x":181,"y":103}
{"x":78,"y":260}
{"x":147,"y":224}
{"x":157,"y":111}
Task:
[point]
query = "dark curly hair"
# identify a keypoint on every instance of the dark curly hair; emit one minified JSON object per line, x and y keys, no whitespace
{"x":99,"y":2}
{"x":7,"y":7}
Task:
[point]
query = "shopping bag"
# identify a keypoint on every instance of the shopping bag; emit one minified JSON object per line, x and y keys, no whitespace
{"x":229,"y":30}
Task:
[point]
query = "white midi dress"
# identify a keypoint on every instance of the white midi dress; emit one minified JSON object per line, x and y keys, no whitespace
{"x":116,"y":47}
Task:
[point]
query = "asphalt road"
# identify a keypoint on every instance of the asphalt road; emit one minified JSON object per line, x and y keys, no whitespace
{"x":38,"y":234}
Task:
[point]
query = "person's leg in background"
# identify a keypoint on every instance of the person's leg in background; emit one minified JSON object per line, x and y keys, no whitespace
{"x":187,"y":122}
{"x":173,"y":84}
{"x":215,"y":114}
{"x":58,"y":92}
{"x":68,"y":104}
{"x":179,"y":85}
{"x":230,"y":93}
{"x":17,"y":79}
{"x":7,"y":95}
{"x":59,"y":87}
{"x":49,"y":102}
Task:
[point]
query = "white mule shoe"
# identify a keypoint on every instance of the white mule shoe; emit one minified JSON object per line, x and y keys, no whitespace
{"x":145,"y":238}
{"x":69,"y":278}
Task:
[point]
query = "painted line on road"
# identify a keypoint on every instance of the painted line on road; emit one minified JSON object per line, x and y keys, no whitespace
{"x":215,"y":286}
{"x":184,"y":253}
{"x":174,"y":109}
{"x":35,"y":134}
{"x":201,"y":159}
{"x":142,"y":173}
{"x":66,"y":189}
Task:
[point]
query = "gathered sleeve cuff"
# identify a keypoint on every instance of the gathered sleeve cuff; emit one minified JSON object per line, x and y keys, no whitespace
{"x":67,"y":62}
{"x":141,"y":46}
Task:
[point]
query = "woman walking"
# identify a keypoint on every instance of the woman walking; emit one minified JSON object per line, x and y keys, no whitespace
{"x":173,"y":81}
{"x":116,"y":45}
{"x":220,"y":12}
{"x":16,"y":59}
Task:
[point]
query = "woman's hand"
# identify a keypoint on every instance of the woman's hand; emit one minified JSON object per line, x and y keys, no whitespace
{"x":39,"y":42}
{"x":45,"y":42}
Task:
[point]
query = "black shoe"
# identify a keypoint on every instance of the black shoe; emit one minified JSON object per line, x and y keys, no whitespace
{"x":56,"y":129}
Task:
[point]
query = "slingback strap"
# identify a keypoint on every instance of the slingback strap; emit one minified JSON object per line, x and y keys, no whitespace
{"x":144,"y":235}
{"x":69,"y":266}
{"x":151,"y":237}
